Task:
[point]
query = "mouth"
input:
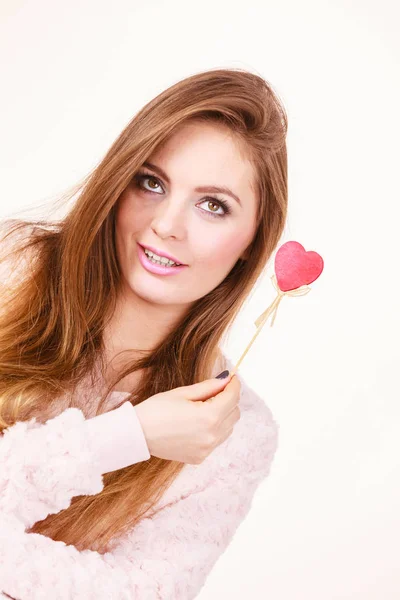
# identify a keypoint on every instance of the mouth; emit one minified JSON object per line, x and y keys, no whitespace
{"x":163,"y":254}
{"x":157,"y":268}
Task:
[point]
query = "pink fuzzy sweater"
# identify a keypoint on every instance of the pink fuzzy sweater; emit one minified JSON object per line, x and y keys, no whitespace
{"x":166,"y":556}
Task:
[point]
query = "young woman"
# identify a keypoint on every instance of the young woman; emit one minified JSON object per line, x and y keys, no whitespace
{"x":126,"y":465}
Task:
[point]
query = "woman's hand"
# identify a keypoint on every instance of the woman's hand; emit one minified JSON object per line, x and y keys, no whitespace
{"x":187,"y":423}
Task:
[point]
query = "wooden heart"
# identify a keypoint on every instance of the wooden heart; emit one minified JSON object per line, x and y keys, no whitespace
{"x":295,"y":267}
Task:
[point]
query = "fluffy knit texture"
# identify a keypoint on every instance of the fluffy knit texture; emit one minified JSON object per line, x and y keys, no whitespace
{"x":167,"y":555}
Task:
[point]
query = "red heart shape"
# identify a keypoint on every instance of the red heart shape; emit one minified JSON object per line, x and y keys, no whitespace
{"x":295,"y":267}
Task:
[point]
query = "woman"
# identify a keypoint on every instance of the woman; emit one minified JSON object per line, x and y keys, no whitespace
{"x":120,"y":447}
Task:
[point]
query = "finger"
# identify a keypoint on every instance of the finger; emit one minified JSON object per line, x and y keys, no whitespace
{"x":204,"y":389}
{"x":232,"y":418}
{"x":227,"y":431}
{"x":226,"y":400}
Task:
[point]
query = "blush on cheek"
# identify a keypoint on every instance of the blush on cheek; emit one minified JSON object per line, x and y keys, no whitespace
{"x":228,"y":251}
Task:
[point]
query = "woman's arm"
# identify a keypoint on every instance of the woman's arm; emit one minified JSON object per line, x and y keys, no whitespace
{"x":166,"y":556}
{"x":43,"y":466}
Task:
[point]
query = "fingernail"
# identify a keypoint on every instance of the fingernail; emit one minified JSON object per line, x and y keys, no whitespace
{"x":222,"y":375}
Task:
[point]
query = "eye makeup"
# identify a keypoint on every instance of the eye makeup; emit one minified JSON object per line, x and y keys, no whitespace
{"x":142,"y":175}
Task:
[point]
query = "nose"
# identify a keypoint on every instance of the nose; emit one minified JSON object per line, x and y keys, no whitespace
{"x":169,"y":219}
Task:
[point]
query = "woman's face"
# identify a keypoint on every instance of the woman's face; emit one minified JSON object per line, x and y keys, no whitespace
{"x":163,"y":209}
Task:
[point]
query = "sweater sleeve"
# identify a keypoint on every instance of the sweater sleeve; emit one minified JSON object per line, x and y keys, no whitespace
{"x":43,"y":466}
{"x":167,"y":555}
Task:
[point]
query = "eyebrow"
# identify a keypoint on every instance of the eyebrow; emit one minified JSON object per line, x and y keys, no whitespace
{"x":203,"y":189}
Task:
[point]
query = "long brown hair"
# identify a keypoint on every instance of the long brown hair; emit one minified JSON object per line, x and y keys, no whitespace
{"x":52,"y":319}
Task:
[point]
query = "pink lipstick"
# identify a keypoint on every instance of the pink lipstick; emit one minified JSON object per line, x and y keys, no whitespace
{"x":157,"y":269}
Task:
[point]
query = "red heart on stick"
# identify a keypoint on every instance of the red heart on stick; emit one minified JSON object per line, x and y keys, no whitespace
{"x":295,"y":267}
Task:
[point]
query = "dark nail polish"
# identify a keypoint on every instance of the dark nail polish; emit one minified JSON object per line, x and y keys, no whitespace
{"x":222,"y":375}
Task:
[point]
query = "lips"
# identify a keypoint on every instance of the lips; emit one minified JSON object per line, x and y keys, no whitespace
{"x":161,"y":253}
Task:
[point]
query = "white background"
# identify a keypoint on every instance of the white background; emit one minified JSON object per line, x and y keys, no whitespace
{"x":325,"y":524}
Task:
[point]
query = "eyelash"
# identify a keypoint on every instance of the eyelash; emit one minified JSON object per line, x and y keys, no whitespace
{"x":139,"y":177}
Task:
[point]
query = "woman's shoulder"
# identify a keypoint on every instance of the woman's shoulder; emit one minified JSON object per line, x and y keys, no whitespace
{"x":251,"y":401}
{"x":257,"y":426}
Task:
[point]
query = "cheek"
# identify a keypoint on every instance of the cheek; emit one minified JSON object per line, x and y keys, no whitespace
{"x":222,"y":250}
{"x":121,"y":216}
{"x":127,"y":219}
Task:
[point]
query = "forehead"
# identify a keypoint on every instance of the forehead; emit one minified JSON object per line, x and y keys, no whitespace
{"x":206,"y":154}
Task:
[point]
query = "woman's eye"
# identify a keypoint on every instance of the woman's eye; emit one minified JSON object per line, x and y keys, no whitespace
{"x":141,"y":177}
{"x":222,"y":204}
{"x":217,"y":203}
